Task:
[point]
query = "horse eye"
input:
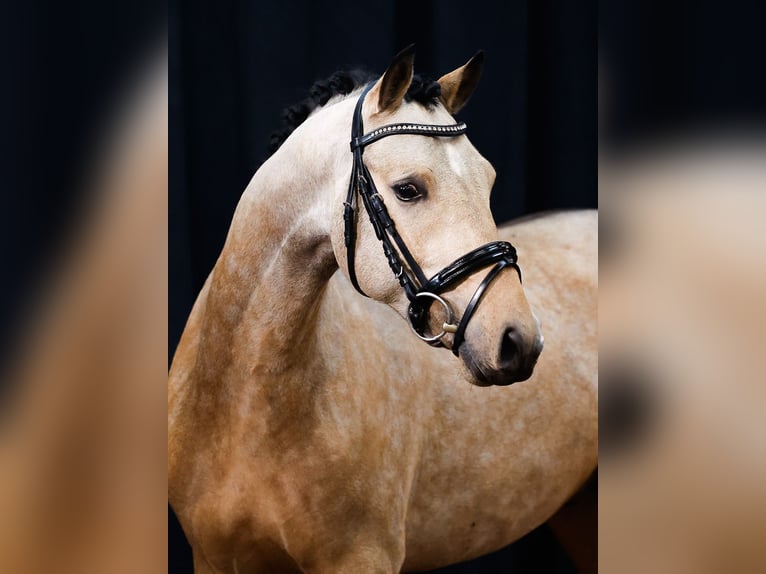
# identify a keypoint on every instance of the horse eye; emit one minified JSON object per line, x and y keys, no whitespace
{"x":406,"y":191}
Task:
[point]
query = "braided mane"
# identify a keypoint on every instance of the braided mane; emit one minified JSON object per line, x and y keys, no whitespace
{"x":423,"y":90}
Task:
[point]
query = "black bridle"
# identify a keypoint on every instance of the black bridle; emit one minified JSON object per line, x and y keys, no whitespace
{"x":420,"y":291}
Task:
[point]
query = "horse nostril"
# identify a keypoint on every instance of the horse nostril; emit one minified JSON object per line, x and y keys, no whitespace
{"x":510,"y":348}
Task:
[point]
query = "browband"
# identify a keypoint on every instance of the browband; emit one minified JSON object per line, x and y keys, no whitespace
{"x":420,"y":291}
{"x":410,"y":129}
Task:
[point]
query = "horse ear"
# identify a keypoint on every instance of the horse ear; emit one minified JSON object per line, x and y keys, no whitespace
{"x":390,"y":89}
{"x":458,"y":85}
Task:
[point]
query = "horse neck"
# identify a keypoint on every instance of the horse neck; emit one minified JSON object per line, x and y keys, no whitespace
{"x":262,"y":303}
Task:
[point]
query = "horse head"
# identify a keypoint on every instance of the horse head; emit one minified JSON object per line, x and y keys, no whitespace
{"x":424,"y":194}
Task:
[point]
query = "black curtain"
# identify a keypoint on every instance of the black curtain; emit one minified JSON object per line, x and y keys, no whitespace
{"x":235,"y":65}
{"x":684,"y":70}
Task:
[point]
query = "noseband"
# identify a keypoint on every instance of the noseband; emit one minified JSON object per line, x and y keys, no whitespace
{"x":420,"y":291}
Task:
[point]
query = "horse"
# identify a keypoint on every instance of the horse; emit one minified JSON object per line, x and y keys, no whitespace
{"x":309,"y":427}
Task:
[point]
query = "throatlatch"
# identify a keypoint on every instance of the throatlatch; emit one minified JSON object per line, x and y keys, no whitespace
{"x":420,"y":291}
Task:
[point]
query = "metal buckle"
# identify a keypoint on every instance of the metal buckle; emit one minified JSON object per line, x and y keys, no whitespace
{"x":448,"y":326}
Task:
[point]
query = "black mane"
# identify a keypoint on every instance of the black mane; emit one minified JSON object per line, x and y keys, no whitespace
{"x":423,"y":90}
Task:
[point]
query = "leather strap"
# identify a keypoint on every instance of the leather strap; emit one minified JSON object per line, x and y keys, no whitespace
{"x":474,"y":302}
{"x":471,"y":262}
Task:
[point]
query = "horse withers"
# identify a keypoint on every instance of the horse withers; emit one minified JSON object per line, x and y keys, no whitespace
{"x":309,"y":427}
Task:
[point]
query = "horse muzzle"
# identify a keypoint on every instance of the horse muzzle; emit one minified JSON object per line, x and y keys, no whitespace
{"x":515,"y":362}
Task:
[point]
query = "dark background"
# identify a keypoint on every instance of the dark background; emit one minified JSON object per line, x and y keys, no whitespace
{"x":680,"y":71}
{"x":235,"y":66}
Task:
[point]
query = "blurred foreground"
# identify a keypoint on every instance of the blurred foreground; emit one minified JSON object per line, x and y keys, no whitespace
{"x":83,"y":427}
{"x":682,"y":401}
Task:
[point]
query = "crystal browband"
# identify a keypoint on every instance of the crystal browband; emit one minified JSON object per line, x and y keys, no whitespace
{"x":413,"y":129}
